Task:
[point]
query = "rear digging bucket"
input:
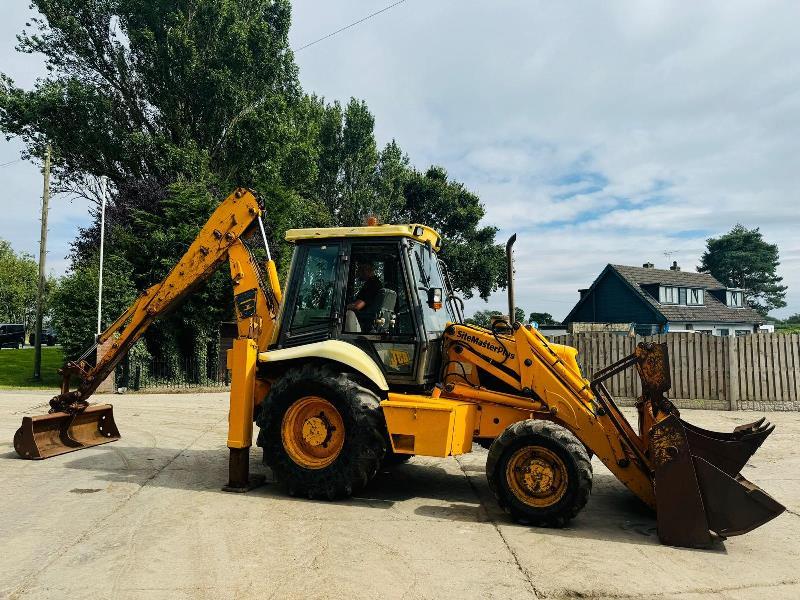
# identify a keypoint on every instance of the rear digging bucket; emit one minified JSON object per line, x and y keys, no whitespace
{"x":57,"y":433}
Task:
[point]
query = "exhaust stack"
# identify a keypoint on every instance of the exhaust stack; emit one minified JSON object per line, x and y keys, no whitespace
{"x":510,"y":263}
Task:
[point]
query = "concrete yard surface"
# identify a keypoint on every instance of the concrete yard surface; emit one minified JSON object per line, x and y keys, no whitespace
{"x":144,"y":517}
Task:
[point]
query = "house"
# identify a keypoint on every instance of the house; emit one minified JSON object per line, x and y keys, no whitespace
{"x":664,"y":300}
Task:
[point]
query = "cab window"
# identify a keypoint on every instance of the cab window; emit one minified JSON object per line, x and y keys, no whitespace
{"x":315,"y":295}
{"x":425,"y":267}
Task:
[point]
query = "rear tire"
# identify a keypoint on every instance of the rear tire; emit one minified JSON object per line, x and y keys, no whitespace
{"x":540,"y":473}
{"x":306,"y":461}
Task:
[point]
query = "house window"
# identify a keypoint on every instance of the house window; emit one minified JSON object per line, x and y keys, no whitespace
{"x":724,"y":332}
{"x":735,"y":298}
{"x":694,"y":297}
{"x":689,"y":327}
{"x":667,"y":295}
{"x":741,"y":332}
{"x":681,"y":295}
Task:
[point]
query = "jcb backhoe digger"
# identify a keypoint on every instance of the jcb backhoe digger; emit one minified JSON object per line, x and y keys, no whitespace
{"x":364,"y":357}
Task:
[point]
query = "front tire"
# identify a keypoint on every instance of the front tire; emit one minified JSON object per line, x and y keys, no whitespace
{"x":321,"y":432}
{"x":540,"y":473}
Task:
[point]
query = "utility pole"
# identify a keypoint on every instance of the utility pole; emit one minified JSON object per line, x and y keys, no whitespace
{"x":104,"y":193}
{"x":37,"y":360}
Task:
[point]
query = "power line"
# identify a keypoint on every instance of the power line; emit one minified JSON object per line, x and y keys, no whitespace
{"x":11,"y":162}
{"x":353,"y":24}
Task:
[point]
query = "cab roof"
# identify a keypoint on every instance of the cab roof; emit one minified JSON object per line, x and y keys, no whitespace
{"x":415,"y":231}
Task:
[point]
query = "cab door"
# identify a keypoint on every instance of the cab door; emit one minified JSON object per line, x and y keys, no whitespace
{"x":386,"y":326}
{"x":425,"y":275}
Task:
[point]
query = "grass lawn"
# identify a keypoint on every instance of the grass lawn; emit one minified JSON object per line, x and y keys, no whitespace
{"x":16,"y":368}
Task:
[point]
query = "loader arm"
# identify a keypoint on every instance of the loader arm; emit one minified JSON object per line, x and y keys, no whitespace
{"x":550,"y":385}
{"x":691,"y":476}
{"x":73,"y":424}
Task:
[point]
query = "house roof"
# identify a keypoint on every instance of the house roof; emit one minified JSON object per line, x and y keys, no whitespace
{"x":712,"y":309}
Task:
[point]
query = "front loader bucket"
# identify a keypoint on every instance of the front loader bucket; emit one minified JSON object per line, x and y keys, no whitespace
{"x":57,"y":433}
{"x":699,"y":490}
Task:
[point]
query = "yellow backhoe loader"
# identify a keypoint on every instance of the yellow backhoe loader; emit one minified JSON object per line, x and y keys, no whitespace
{"x":364,"y":357}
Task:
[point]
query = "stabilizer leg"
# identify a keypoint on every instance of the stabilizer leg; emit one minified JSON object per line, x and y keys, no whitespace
{"x":242,"y":362}
{"x":240,"y":479}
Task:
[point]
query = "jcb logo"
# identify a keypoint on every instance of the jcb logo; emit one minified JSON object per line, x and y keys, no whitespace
{"x":246,"y":303}
{"x":399,"y":359}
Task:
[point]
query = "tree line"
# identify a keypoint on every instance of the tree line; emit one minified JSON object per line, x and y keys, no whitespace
{"x":19,"y":276}
{"x":484,"y":317}
{"x":176,"y":104}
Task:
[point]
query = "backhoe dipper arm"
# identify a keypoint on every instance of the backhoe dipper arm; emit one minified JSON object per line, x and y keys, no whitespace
{"x":217,"y":241}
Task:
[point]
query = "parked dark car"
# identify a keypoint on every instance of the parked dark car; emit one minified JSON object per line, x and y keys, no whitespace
{"x":48,"y":338}
{"x":12,"y":335}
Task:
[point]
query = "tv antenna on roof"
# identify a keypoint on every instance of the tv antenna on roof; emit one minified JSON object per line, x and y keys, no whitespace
{"x":669,"y":253}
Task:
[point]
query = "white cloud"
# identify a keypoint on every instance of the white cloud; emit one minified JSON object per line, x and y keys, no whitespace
{"x":686,"y":112}
{"x":601,"y":132}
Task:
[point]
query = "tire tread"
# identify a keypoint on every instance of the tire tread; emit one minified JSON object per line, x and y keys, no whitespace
{"x":365,"y":443}
{"x":536,"y":429}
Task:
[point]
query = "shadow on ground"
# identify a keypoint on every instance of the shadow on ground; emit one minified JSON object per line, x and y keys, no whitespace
{"x":613,"y":513}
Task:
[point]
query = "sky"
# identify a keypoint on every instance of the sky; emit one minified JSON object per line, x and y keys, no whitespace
{"x":616,"y":132}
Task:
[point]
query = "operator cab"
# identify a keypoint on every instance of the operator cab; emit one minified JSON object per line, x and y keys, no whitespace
{"x":381,"y":288}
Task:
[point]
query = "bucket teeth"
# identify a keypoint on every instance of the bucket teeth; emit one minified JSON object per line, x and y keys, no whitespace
{"x":698,"y":486}
{"x":728,"y":452}
{"x":743,"y":429}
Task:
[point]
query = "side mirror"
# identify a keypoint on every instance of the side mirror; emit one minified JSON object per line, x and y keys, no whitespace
{"x":435,"y":298}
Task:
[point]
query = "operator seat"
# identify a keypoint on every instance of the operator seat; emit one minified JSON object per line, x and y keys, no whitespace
{"x":351,"y":324}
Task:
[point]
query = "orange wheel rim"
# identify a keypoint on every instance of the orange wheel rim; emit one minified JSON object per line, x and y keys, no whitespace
{"x":537,"y":476}
{"x":312,"y":432}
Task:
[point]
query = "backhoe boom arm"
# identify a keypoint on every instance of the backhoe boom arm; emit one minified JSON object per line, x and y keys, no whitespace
{"x":218,"y":240}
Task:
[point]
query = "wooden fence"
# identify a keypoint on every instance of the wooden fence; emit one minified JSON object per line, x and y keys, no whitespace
{"x":752,"y":372}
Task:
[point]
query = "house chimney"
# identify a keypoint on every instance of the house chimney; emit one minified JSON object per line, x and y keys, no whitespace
{"x":647,"y":266}
{"x":674,"y":266}
{"x":583,"y":292}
